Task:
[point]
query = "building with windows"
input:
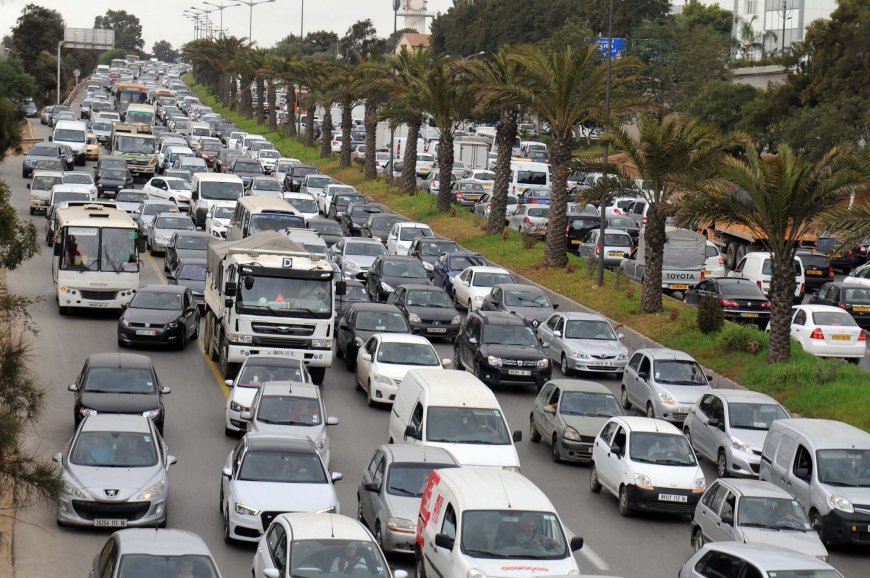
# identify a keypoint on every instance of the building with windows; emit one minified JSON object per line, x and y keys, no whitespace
{"x":775,"y":24}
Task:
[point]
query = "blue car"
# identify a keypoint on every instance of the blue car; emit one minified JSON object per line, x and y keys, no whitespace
{"x":449,"y":265}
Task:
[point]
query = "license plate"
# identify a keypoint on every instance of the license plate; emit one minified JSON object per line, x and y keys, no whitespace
{"x":681,"y":409}
{"x":146,"y":332}
{"x":749,"y":314}
{"x":99,"y":305}
{"x":519,"y":372}
{"x":679,"y":287}
{"x":278,"y":353}
{"x":708,"y":273}
{"x":673,"y":498}
{"x":841,"y":338}
{"x":814,"y":272}
{"x":437,"y":330}
{"x":575,"y":241}
{"x":110,"y":523}
{"x":615,"y":254}
{"x":860,"y":309}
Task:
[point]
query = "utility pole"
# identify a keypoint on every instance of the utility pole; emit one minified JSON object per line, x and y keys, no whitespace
{"x":785,"y":17}
{"x":393,"y":128}
{"x":602,"y":206}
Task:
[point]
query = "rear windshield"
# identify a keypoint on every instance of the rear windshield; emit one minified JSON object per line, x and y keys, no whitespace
{"x":833,"y":318}
{"x":856,"y":296}
{"x":531,"y":178}
{"x":814,"y":261}
{"x":741,"y":290}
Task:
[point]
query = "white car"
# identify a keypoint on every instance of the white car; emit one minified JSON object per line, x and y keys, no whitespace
{"x":758,"y":268}
{"x":255,"y":371}
{"x":859,"y":276}
{"x":472,"y":285}
{"x":827,"y":331}
{"x":483,"y":177}
{"x":217,"y":220}
{"x":79,"y":178}
{"x":265,"y":475}
{"x":382,"y":363}
{"x":403,"y":234}
{"x":329,"y":191}
{"x":714,"y":266}
{"x":283,"y":166}
{"x":171,"y":189}
{"x":648,"y":465}
{"x":267,"y":159}
{"x":304,"y":204}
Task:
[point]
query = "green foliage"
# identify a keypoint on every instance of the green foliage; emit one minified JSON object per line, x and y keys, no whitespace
{"x":15,"y":82}
{"x":106,"y":56}
{"x":627,"y":15}
{"x":720,"y":103}
{"x":163,"y":51}
{"x":712,"y":16}
{"x":320,"y":44}
{"x":574,"y":32}
{"x":10,"y":137}
{"x":128,"y":29}
{"x":710,"y":316}
{"x":361,"y":42}
{"x":17,"y":238}
{"x":38,"y":29}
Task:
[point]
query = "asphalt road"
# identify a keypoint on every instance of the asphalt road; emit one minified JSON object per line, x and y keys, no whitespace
{"x":638,"y":547}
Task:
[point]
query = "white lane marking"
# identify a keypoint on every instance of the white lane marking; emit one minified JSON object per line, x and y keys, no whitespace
{"x":596,"y":560}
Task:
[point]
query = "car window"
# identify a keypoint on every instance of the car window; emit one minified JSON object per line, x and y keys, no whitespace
{"x":803,"y":464}
{"x":716,"y":564}
{"x":607,"y":432}
{"x":277,"y":546}
{"x":449,"y":525}
{"x":378,"y":476}
{"x":417,"y":417}
{"x":800,"y":317}
{"x":712,"y":493}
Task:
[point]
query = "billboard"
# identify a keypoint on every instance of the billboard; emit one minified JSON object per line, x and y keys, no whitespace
{"x":616,"y":47}
{"x":96,"y":38}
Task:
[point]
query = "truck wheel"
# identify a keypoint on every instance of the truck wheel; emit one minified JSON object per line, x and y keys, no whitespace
{"x":730,"y":255}
{"x":228,"y":370}
{"x":741,"y":252}
{"x":317,"y":374}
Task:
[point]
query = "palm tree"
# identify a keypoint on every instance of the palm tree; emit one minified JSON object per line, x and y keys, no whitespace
{"x":747,"y":40}
{"x":309,"y":73}
{"x":259,"y":57}
{"x":492,"y":79}
{"x":781,"y":197}
{"x":404,"y":106}
{"x":342,"y":88}
{"x":372,"y":84}
{"x":669,"y":155}
{"x":273,"y":68}
{"x":566,"y":88}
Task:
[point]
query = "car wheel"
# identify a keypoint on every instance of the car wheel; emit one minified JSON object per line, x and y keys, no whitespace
{"x":419,"y":570}
{"x":359,"y":512}
{"x":697,"y":539}
{"x":227,"y":538}
{"x":457,"y":360}
{"x":228,"y":432}
{"x":624,"y":506}
{"x":379,"y":536}
{"x":476,"y":371}
{"x":32,"y":211}
{"x":688,"y":435}
{"x":594,"y":484}
{"x":350,"y":360}
{"x":565,"y":370}
{"x":338,"y":351}
{"x":650,"y":411}
{"x":556,"y":455}
{"x":818,"y":526}
{"x":62,"y":310}
{"x":469,"y":307}
{"x":623,"y":398}
{"x":534,"y":434}
{"x":722,"y":464}
{"x":182,"y":339}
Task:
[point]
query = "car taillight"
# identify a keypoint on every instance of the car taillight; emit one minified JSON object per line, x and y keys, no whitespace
{"x":527,"y":221}
{"x":758,"y":283}
{"x":567,"y":229}
{"x":643,"y":221}
{"x":703,"y":275}
{"x":862,"y":249}
{"x":803,"y":288}
{"x":598,"y":249}
{"x":458,"y":196}
{"x":830,"y":272}
{"x":533,"y":201}
{"x":842,"y":305}
{"x":727,"y":303}
{"x":817,"y":334}
{"x":721,"y":260}
{"x":765,"y":305}
{"x":862,"y":336}
{"x":616,"y":211}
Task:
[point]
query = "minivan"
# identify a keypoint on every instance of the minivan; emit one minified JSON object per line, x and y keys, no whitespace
{"x":454,"y":410}
{"x":74,"y":134}
{"x":256,"y":214}
{"x":208,"y":188}
{"x":758,"y":267}
{"x":824,"y":464}
{"x":529,"y":176}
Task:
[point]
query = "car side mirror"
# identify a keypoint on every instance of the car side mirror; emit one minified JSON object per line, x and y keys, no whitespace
{"x":165,"y":390}
{"x":227,"y":472}
{"x":445,"y":363}
{"x":620,"y":336}
{"x":555,"y":306}
{"x":709,"y":376}
{"x":802,"y":473}
{"x":331,"y":420}
{"x":713,"y":422}
{"x":411,"y":432}
{"x":576,"y":543}
{"x":228,"y":382}
{"x":336,"y":476}
{"x":171,"y":461}
{"x":72,"y":387}
{"x":58,"y":250}
{"x":341,"y":288}
{"x":362,"y":275}
{"x":170,"y":277}
{"x":517,"y":436}
{"x":245,"y":415}
{"x":28,"y":185}
{"x":472,"y":340}
{"x":194,"y":195}
{"x":444,"y":541}
{"x":271,"y":573}
{"x":644,"y":375}
{"x":58,"y":457}
{"x":400,"y":574}
{"x":616,"y":449}
{"x":371,"y":487}
{"x":557,"y":333}
{"x":50,"y":138}
{"x":365,"y":356}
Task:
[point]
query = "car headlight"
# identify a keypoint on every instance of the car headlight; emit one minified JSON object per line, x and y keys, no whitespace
{"x":579,"y":355}
{"x":386,"y":287}
{"x":699,"y":485}
{"x":543,"y":363}
{"x":740,"y":445}
{"x":384,"y":380}
{"x":643,"y":481}
{"x":840,"y":503}
{"x":321,"y":343}
{"x":320,"y":444}
{"x":125,"y":323}
{"x":74,"y":492}
{"x":622,"y":356}
{"x":569,"y":433}
{"x":351,"y":266}
{"x":666,"y":398}
{"x":236,"y":406}
{"x":494,"y":361}
{"x":428,"y":266}
{"x":172,"y":325}
{"x":413,"y":318}
{"x":401,"y":524}
{"x":246,"y":511}
{"x":86,"y":411}
{"x":151,"y":413}
{"x":457,"y":319}
{"x":239,"y":338}
{"x":329,"y":510}
{"x":475,"y":573}
{"x":155,"y":490}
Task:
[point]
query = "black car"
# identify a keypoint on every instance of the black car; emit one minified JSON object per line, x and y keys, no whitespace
{"x":361,"y":321}
{"x":578,"y":228}
{"x":108,"y":162}
{"x":41,"y":151}
{"x":449,"y":265}
{"x":110,"y":181}
{"x":428,"y":249}
{"x":160,"y":315}
{"x":390,"y":271}
{"x":844,"y":260}
{"x":429,"y":310}
{"x":340,"y":203}
{"x":355,"y":293}
{"x":185,"y":245}
{"x":356,"y":215}
{"x":529,"y":303}
{"x":378,"y":226}
{"x":28,"y":109}
{"x":625,"y":224}
{"x":852,"y":298}
{"x":741,"y":299}
{"x":246,"y":169}
{"x":293,"y":179}
{"x":818,"y":269}
{"x":329,"y":231}
{"x":501,"y":348}
{"x":190,"y":272}
{"x":118,"y":383}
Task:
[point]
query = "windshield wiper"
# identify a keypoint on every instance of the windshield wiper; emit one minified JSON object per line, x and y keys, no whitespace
{"x":486,"y":553}
{"x":757,"y":525}
{"x":644,"y":460}
{"x":673,"y":462}
{"x":405,"y":492}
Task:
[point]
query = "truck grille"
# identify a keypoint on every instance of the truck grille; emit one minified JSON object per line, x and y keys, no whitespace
{"x":99,"y":295}
{"x":283,"y":329}
{"x":280,"y":342}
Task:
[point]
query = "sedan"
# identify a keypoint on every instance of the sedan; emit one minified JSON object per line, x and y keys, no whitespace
{"x":160,"y":315}
{"x":475,"y":283}
{"x":617,"y":246}
{"x":128,"y":200}
{"x":329,"y":231}
{"x":81,"y":178}
{"x":356,"y":216}
{"x":114,"y":474}
{"x":382,"y":363}
{"x":190,"y":273}
{"x":467,"y":193}
{"x":185,"y":245}
{"x":146,"y":552}
{"x":378,"y":226}
{"x":110,"y":181}
{"x":265,"y":187}
{"x":389,"y":271}
{"x":428,"y":249}
{"x":527,"y":302}
{"x":450,"y":265}
{"x":664,"y":383}
{"x":530,"y":219}
{"x":428,"y":310}
{"x":583,"y":342}
{"x":740,"y":299}
{"x":362,"y":320}
{"x":355,"y":256}
{"x":266,"y":475}
{"x":164,"y":226}
{"x":827,"y":331}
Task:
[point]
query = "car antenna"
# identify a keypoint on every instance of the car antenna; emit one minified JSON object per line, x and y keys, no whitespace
{"x":331,"y":525}
{"x":504,"y":489}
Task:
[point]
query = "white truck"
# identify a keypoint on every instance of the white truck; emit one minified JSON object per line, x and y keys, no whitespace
{"x":472,"y":151}
{"x":685,"y":258}
{"x":268,"y":295}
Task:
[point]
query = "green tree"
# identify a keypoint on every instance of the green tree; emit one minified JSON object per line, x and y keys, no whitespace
{"x":710,"y":15}
{"x":360,"y":42}
{"x":163,"y":51}
{"x":15,"y":82}
{"x":405,"y":106}
{"x":128,"y":29}
{"x":749,"y":41}
{"x":37,"y":30}
{"x":627,"y":14}
{"x":106,"y":56}
{"x":720,"y":103}
{"x":372,"y":86}
{"x":10,"y":127}
{"x":782,"y":196}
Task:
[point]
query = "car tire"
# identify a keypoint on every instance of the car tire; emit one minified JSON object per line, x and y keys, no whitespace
{"x":369,"y":399}
{"x":722,"y":464}
{"x":623,"y":398}
{"x":688,"y":435}
{"x":32,"y":211}
{"x":818,"y":526}
{"x":350,"y":361}
{"x":228,"y":432}
{"x":566,"y":371}
{"x":594,"y":484}
{"x":379,"y":535}
{"x":457,"y":360}
{"x":227,"y":538}
{"x":698,"y":539}
{"x":624,"y":505}
{"x":359,"y":512}
{"x":61,"y":310}
{"x":650,"y":410}
{"x":534,"y":434}
{"x":469,"y":307}
{"x":556,"y":455}
{"x":419,"y":569}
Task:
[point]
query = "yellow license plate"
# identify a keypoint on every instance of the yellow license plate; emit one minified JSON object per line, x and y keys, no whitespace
{"x":841,"y":338}
{"x":860,"y":309}
{"x":679,"y":287}
{"x":814,"y":272}
{"x":749,"y":314}
{"x":615,"y":254}
{"x":575,"y":241}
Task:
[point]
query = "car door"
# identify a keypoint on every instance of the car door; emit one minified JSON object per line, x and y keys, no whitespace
{"x":600,"y":450}
{"x":106,"y":560}
{"x":549,"y":418}
{"x":373,"y":474}
{"x":629,"y":376}
{"x":373,"y":281}
{"x":612,"y":462}
{"x":461,"y":286}
{"x":439,"y":272}
{"x":692,"y":296}
{"x":638,"y":386}
{"x":722,"y":528}
{"x":540,"y":402}
{"x":275,"y":554}
{"x":463,"y":341}
{"x":700,"y":431}
{"x":364,"y":366}
{"x":344,"y":328}
{"x":799,"y":328}
{"x":392,"y":239}
{"x":190,"y":313}
{"x":707,"y":510}
{"x":227,"y":486}
{"x":800,"y":473}
{"x":545,"y":332}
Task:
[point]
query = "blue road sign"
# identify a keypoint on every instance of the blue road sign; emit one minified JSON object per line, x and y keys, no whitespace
{"x":616,"y":46}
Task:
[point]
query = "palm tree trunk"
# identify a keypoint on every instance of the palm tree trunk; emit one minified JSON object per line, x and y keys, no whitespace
{"x":273,"y":109}
{"x":408,"y":180}
{"x":782,"y":284}
{"x":445,"y":169}
{"x":291,"y":109}
{"x":233,"y":92}
{"x":505,"y":135}
{"x":261,"y":97}
{"x":371,"y":124}
{"x":247,"y":105}
{"x":346,"y":125}
{"x":326,"y":132}
{"x":555,"y":254}
{"x":224,"y":89}
{"x":654,"y":239}
{"x":309,"y":125}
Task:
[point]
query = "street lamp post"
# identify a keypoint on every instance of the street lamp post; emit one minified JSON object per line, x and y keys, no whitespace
{"x":202,"y":13}
{"x":250,"y":4}
{"x":602,"y":208}
{"x":220,"y":8}
{"x":195,"y":18}
{"x":392,"y":127}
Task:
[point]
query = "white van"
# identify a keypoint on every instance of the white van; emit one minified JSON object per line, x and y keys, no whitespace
{"x":73,"y":133}
{"x":197,"y":131}
{"x":249,"y":140}
{"x":823,"y":464}
{"x":209,"y":188}
{"x":529,"y":176}
{"x":456,"y":411}
{"x":758,"y":267}
{"x":479,"y":522}
{"x":258,"y":214}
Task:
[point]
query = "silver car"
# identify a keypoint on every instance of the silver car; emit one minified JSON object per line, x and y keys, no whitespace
{"x":146,"y":552}
{"x":293,"y":409}
{"x":527,"y":302}
{"x":617,"y":246}
{"x":148,"y":211}
{"x":391,"y":488}
{"x":664,"y":383}
{"x":736,"y":559}
{"x":162,"y":228}
{"x":354,"y":255}
{"x":583,"y":342}
{"x":114,"y":473}
{"x":755,"y":513}
{"x":729,"y":426}
{"x":530,"y":219}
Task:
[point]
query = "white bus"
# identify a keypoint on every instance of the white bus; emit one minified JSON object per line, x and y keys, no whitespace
{"x":96,"y":258}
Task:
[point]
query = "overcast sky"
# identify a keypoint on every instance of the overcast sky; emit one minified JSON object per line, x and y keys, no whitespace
{"x":163,"y":20}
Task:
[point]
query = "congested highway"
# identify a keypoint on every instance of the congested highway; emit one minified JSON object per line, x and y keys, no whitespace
{"x":643,"y":546}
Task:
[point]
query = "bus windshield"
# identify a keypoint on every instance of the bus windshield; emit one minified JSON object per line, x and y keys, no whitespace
{"x":133,"y":95}
{"x":95,"y":249}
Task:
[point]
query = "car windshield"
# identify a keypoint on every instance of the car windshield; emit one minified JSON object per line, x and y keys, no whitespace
{"x":114,"y":450}
{"x":363,"y":212}
{"x":274,"y":222}
{"x":77,"y":179}
{"x":131,"y":197}
{"x":223,"y":212}
{"x":484,"y":176}
{"x":43,"y":151}
{"x":161,"y":300}
{"x":382,"y":321}
{"x":114,"y":174}
{"x":435,"y":248}
{"x":757,"y":416}
{"x":622,"y":223}
{"x":135,"y":144}
{"x":531,"y":178}
{"x":411,"y":233}
{"x":154,"y":208}
{"x":44,"y":183}
{"x":463,"y":262}
{"x":325,"y":227}
{"x":191,"y":242}
{"x":539,"y":212}
{"x":466,"y":425}
{"x":589,"y":403}
{"x":317,"y":182}
{"x":526,"y":298}
{"x":266,"y":185}
{"x":63,"y":196}
{"x":181,"y":223}
{"x":356,"y":293}
{"x":247,"y":167}
{"x":589,"y":329}
{"x":407,"y":354}
{"x":253,"y":374}
{"x":269,"y":154}
{"x":282,"y":467}
{"x":508,"y":534}
{"x":848,"y":468}
{"x":833,"y":318}
{"x":192,"y":273}
{"x":384,"y":223}
{"x":221,"y":191}
{"x":520,"y":335}
{"x":426,"y":298}
{"x":70,"y":135}
{"x":283,"y":167}
{"x":334,"y":557}
{"x":119,"y":380}
{"x":661,"y":448}
{"x":856,"y":296}
{"x":189,"y":566}
{"x":179,"y":184}
{"x":302,"y":205}
{"x":776,"y":513}
{"x":107,"y":126}
{"x":404,"y":269}
{"x":289,"y":410}
{"x":410,"y":479}
{"x":484,"y":279}
{"x":676,"y":372}
{"x":183,"y":175}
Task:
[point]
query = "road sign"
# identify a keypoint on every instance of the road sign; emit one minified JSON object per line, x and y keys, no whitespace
{"x":95,"y":38}
{"x":616,"y":47}
{"x":77,"y":73}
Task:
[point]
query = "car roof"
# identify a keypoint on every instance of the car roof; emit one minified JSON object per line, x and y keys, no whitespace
{"x":310,"y":526}
{"x":464,"y":389}
{"x":636,"y":423}
{"x":405,"y":258}
{"x":828,"y":434}
{"x":271,"y":361}
{"x":116,"y":422}
{"x":579,"y":385}
{"x":403,"y":338}
{"x":413,"y":453}
{"x":272,"y":442}
{"x":384,"y":307}
{"x":160,"y":542}
{"x":659,"y":353}
{"x":821,"y":308}
{"x":487,"y":269}
{"x":296,"y":388}
{"x":518,"y":287}
{"x":193,"y":261}
{"x":500,"y":318}
{"x":419,"y":287}
{"x":494,"y":489}
{"x":769,"y":558}
{"x":119,"y":360}
{"x":743,"y":396}
{"x":186,"y":233}
{"x":162,"y":288}
{"x":582,"y":316}
{"x":367,"y":240}
{"x":754,"y":488}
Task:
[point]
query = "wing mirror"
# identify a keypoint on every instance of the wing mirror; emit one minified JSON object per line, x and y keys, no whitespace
{"x":445,"y":363}
{"x":166,"y":390}
{"x":245,"y":415}
{"x":728,"y":519}
{"x":227,"y":472}
{"x":331,"y":420}
{"x":444,"y":541}
{"x":549,"y":409}
{"x":366,"y":356}
{"x":472,"y":340}
{"x":371,"y":487}
{"x":336,"y":476}
{"x":517,"y":436}
{"x":557,"y":333}
{"x":58,"y":457}
{"x":228,"y":382}
{"x":73,"y":387}
{"x":644,"y":375}
{"x":616,"y":449}
{"x":171,"y":461}
{"x":576,"y":543}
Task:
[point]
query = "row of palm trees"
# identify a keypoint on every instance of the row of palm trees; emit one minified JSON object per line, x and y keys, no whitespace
{"x":694,"y":172}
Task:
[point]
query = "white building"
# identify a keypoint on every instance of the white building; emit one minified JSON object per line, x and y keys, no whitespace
{"x":779,"y":22}
{"x":413,"y":14}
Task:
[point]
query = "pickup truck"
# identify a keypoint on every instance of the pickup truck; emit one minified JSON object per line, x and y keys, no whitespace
{"x":683,"y":263}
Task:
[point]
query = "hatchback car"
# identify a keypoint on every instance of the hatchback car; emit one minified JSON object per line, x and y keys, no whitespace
{"x":827,"y":331}
{"x":148,"y":211}
{"x":128,"y":200}
{"x":185,"y":245}
{"x":172,"y":189}
{"x":266,"y":475}
{"x":110,"y":181}
{"x":81,"y":178}
{"x":428,"y":310}
{"x":383,"y":361}
{"x":378,"y":226}
{"x":190,"y":273}
{"x":472,"y":285}
{"x":355,"y":256}
{"x":265,"y":187}
{"x":753,"y":560}
{"x":818,"y":269}
{"x":428,"y":249}
{"x":852,"y":298}
{"x":217,"y":219}
{"x":329,"y":231}
{"x":146,"y":552}
{"x":648,"y":465}
{"x":391,"y":488}
{"x":617,"y":246}
{"x":160,"y":315}
{"x":449,"y":265}
{"x":527,"y":302}
{"x":466,"y":193}
{"x":530,"y":219}
{"x":255,"y":371}
{"x":403,"y":233}
{"x":304,"y":204}
{"x":389,"y":271}
{"x":163,"y":227}
{"x":740,"y":299}
{"x":583,"y":342}
{"x":362,"y":320}
{"x":357,"y":214}
{"x":663,"y":382}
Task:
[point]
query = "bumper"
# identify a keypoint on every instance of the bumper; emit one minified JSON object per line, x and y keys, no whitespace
{"x":757,"y":317}
{"x":245,"y":528}
{"x":743,"y":464}
{"x":159,"y":244}
{"x":854,"y":350}
{"x":432,"y":329}
{"x":149,"y":336}
{"x":110,"y":514}
{"x":233,"y":421}
{"x":672,"y":413}
{"x":383,"y":393}
{"x":597,"y":365}
{"x":650,"y":500}
{"x":574,"y":451}
{"x":508,"y":375}
{"x":312,"y":357}
{"x":111,"y":193}
{"x":141,"y":169}
{"x":842,"y":528}
{"x":38,"y":204}
{"x":71,"y":297}
{"x":93,"y":154}
{"x":398,"y":542}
